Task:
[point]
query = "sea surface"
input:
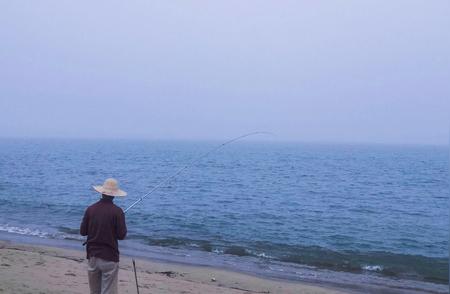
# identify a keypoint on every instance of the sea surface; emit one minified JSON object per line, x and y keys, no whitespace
{"x":374,"y":216}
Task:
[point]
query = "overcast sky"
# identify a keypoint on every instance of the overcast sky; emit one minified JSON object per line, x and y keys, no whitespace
{"x":333,"y":71}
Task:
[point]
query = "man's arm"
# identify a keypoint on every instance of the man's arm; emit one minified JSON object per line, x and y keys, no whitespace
{"x":84,"y":224}
{"x":121,"y":226}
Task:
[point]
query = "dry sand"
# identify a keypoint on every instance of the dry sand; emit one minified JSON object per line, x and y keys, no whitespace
{"x":39,"y":269}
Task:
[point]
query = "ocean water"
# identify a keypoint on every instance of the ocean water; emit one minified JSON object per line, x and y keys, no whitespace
{"x":331,"y":213}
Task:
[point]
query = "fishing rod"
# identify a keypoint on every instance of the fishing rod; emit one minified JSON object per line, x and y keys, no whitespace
{"x":191,"y":163}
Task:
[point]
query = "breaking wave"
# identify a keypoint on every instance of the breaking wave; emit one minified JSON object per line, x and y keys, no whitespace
{"x":62,"y":233}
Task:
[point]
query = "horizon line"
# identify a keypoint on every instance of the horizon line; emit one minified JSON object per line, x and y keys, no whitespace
{"x":215,"y":139}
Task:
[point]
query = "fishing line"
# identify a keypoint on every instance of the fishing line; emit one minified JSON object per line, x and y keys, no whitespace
{"x":191,"y":163}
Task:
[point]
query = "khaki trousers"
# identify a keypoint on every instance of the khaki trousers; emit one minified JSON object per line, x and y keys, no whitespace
{"x":103,"y":276}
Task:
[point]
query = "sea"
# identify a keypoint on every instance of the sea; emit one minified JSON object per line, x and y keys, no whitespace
{"x":368,"y":218}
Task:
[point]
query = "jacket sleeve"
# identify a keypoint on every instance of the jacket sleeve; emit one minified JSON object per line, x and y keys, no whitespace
{"x":84,"y":224}
{"x":121,"y":228}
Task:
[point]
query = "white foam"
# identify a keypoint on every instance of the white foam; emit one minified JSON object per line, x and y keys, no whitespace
{"x":37,"y":233}
{"x":24,"y":231}
{"x":217,"y":251}
{"x":263,"y":255}
{"x":373,"y":268}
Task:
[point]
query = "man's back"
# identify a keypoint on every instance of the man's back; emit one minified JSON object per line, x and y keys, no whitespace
{"x":104,"y":224}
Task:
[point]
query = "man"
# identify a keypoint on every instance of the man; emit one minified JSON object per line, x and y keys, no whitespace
{"x":103,"y":224}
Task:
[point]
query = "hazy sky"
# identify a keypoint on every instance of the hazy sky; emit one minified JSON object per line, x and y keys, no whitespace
{"x":345,"y":71}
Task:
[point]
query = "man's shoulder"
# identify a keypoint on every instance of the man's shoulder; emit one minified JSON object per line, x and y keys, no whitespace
{"x":117,"y":209}
{"x":93,"y":205}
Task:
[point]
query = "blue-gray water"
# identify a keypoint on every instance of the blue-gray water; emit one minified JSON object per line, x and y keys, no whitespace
{"x":373,"y":210}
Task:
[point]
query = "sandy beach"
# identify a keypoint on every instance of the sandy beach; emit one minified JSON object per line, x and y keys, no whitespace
{"x":42,"y":269}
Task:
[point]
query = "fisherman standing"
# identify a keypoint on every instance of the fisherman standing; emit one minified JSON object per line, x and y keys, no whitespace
{"x":103,"y":224}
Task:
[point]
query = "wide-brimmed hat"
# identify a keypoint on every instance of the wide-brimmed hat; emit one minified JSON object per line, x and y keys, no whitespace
{"x":111,"y":188}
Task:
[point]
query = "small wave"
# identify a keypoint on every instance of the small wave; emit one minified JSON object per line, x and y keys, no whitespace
{"x":24,"y":231}
{"x":240,"y":251}
{"x":373,"y":268}
{"x":67,"y":230}
{"x":65,"y":233}
{"x":174,"y":242}
{"x":259,"y":254}
{"x":237,"y":250}
{"x":217,"y":251}
{"x":263,"y":255}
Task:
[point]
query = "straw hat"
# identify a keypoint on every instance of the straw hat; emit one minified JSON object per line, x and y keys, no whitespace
{"x":111,"y":188}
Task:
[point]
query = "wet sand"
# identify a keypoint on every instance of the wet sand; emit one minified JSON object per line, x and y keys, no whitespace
{"x":43,"y":269}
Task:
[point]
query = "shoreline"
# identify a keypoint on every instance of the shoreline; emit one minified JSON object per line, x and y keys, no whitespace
{"x":26,"y":268}
{"x":320,"y":281}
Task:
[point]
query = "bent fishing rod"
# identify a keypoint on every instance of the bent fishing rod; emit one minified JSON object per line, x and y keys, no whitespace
{"x":191,"y":163}
{"x":188,"y":165}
